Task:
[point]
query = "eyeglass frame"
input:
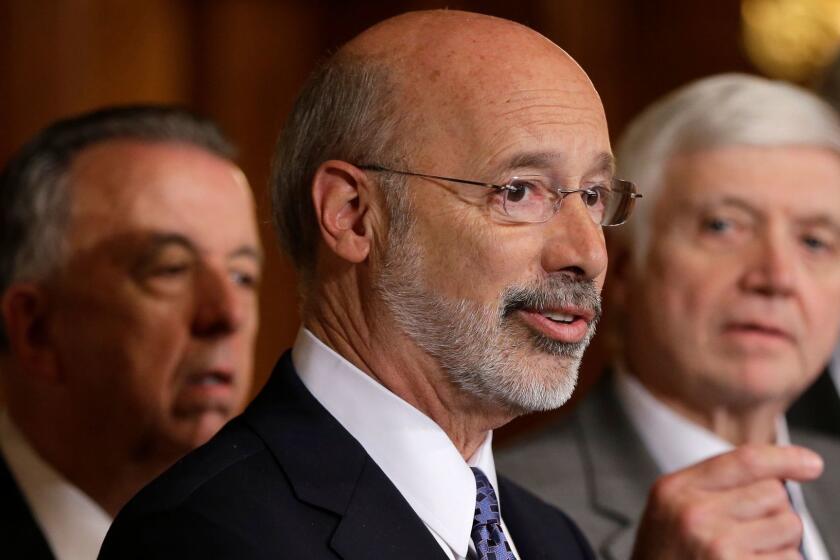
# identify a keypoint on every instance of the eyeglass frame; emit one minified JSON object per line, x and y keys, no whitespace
{"x":561,"y":193}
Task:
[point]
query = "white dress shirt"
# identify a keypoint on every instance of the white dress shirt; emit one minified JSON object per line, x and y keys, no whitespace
{"x":675,"y":443}
{"x":411,"y":449}
{"x":72,"y":523}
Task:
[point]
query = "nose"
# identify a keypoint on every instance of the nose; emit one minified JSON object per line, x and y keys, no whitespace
{"x":771,"y":270}
{"x":219,"y":309}
{"x":574,"y":243}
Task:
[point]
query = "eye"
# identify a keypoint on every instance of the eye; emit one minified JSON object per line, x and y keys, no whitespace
{"x":525,"y":199}
{"x":595,"y":196}
{"x":245,"y":279}
{"x":818,"y":244}
{"x":717,"y":225}
{"x":170,"y":270}
{"x":517,"y":190}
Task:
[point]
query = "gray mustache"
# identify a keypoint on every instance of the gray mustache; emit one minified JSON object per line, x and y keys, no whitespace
{"x":556,"y":291}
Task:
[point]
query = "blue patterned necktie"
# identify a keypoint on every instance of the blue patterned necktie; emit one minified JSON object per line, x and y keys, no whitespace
{"x":487,"y":535}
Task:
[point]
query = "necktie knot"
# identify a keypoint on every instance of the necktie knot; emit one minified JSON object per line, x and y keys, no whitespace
{"x":487,"y":535}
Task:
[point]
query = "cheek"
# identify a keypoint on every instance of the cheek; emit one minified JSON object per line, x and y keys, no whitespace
{"x":821,"y":311}
{"x":480,"y":268}
{"x":137,"y":347}
{"x":686,"y":290}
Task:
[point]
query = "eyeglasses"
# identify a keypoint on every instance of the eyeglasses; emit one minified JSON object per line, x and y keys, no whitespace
{"x":532,"y":199}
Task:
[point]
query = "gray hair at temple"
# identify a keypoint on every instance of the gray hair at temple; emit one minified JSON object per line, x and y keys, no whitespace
{"x":34,"y":194}
{"x":346,"y":111}
{"x":715,"y":112}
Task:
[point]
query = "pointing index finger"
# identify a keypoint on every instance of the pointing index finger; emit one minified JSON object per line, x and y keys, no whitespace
{"x":752,"y":462}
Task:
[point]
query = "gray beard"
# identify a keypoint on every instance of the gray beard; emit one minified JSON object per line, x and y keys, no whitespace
{"x":487,"y":351}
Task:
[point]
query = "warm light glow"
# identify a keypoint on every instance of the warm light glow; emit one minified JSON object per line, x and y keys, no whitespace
{"x":791,"y":39}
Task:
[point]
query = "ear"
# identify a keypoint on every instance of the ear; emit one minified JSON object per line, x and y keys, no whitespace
{"x":622,"y":269}
{"x":24,"y":310}
{"x":341,"y":195}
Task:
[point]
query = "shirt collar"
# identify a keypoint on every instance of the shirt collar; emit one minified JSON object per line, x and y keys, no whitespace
{"x":674,"y":441}
{"x":410,"y":448}
{"x":73,"y":524}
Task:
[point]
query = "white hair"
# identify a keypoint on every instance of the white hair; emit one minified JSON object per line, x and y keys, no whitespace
{"x":718,"y":111}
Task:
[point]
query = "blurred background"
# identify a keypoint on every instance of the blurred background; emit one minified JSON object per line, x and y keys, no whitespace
{"x":241,"y":62}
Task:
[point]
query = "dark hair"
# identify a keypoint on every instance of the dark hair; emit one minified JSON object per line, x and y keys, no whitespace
{"x":35,"y":200}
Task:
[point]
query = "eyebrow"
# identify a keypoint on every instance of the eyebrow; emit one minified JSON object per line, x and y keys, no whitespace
{"x":248,"y":251}
{"x":543,"y":160}
{"x":813,"y":220}
{"x":736,"y":202}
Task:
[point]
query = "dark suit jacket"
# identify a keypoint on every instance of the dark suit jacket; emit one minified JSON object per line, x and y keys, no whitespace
{"x":818,"y":409}
{"x":597,"y":468}
{"x":286,"y":480}
{"x":20,"y":535}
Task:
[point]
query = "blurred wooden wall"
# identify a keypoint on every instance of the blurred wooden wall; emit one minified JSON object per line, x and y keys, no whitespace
{"x":242,"y":61}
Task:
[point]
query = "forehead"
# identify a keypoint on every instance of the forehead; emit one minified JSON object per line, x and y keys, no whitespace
{"x":801,"y":182}
{"x":125,"y":186}
{"x":483,"y":99}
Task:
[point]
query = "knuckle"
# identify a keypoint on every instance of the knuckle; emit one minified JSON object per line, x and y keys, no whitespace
{"x":664,"y":488}
{"x":749,"y":458}
{"x":692,"y":518}
{"x":718,"y":548}
{"x":792,"y":520}
{"x":773,"y":491}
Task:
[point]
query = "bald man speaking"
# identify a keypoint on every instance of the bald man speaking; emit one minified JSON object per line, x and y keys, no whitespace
{"x":441,"y":186}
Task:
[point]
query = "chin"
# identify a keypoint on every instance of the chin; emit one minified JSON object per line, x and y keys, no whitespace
{"x":198,"y":429}
{"x":533,"y":384}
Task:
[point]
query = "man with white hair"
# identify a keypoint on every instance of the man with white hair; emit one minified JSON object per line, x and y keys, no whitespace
{"x":727,"y":287}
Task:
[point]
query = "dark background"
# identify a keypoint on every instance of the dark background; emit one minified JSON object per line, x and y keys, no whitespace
{"x":242,"y":61}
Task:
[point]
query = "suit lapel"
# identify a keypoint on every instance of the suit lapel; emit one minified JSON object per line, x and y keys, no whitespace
{"x":539,"y":531}
{"x":821,"y":494}
{"x":618,"y":468}
{"x":818,"y":408}
{"x":329,"y":469}
{"x":379,"y":523}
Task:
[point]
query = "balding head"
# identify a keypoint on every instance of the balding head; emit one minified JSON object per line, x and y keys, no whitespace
{"x":436,"y":79}
{"x":436,"y":266}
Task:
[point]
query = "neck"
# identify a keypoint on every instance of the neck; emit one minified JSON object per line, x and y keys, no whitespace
{"x":379,"y":349}
{"x":736,"y":424}
{"x":109,"y":475}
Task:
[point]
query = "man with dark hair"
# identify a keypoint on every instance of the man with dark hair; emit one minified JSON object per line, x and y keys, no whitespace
{"x":441,"y":185}
{"x":129,"y":262}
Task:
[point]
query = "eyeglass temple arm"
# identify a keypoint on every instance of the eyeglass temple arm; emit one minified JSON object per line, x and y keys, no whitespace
{"x":467,"y":181}
{"x":438,"y":177}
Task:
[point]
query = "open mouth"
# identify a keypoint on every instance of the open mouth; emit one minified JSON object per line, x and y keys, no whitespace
{"x":563,"y":325}
{"x":210,"y":379}
{"x":564,"y":318}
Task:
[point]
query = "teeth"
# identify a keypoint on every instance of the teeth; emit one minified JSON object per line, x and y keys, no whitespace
{"x":558,"y":317}
{"x":208,"y":380}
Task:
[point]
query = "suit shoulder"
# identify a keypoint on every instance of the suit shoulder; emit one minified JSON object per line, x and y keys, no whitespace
{"x":544,"y":460}
{"x":232,"y":446}
{"x":534,"y":522}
